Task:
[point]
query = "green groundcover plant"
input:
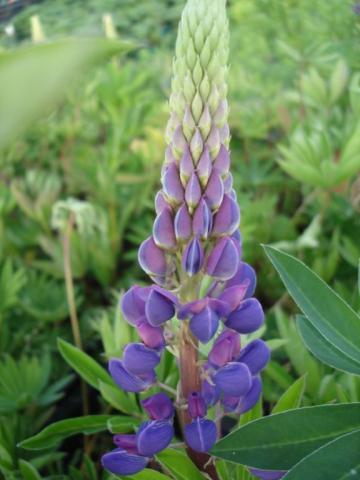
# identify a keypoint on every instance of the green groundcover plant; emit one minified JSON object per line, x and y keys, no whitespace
{"x":191,"y":389}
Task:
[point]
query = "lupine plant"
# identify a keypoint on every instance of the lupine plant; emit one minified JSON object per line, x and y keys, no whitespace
{"x":202,"y":291}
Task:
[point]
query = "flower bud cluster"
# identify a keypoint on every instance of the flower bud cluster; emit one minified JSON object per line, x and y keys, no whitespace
{"x":194,"y":255}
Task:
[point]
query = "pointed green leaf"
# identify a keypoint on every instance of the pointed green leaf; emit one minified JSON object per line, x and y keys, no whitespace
{"x":327,"y":312}
{"x":28,"y":471}
{"x":56,"y":432}
{"x":336,"y":460}
{"x":292,"y":397}
{"x":323,"y":349}
{"x":83,"y":364}
{"x":146,"y":474}
{"x":278,"y":442}
{"x":117,"y":398}
{"x":179,"y":464}
{"x":48,"y":68}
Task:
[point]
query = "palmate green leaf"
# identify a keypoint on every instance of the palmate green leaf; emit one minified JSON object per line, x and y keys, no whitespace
{"x":326,"y":311}
{"x":28,"y":471}
{"x":323,"y":349}
{"x":53,"y":434}
{"x":278,"y":442}
{"x":292,"y":397}
{"x":179,"y":465}
{"x":48,"y":68}
{"x":337,"y":460}
{"x":84,"y":365}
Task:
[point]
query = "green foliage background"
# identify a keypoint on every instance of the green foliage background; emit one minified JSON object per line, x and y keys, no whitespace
{"x":295,"y":123}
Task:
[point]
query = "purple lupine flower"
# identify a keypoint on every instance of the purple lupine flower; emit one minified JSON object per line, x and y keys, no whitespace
{"x":201,"y":433}
{"x":194,"y":258}
{"x":135,"y":450}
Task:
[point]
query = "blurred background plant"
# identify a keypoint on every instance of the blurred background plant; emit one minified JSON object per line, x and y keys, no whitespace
{"x":295,"y":122}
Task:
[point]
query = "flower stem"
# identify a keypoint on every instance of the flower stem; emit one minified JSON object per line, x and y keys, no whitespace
{"x":190,"y":382}
{"x":70,"y":294}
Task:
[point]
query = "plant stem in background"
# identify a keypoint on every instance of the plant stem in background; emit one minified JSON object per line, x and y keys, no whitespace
{"x":70,"y":294}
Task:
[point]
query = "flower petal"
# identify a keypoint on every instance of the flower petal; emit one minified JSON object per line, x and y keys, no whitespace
{"x":163,"y":230}
{"x":223,"y":260}
{"x":158,"y":406}
{"x":139,"y":359}
{"x":182,"y":223}
{"x":160,"y":306}
{"x":247,"y":318}
{"x":227,"y":218}
{"x":225,"y":348}
{"x":245,"y":273}
{"x":121,"y":462}
{"x":128,"y":381}
{"x":204,"y":324}
{"x":214,"y":192}
{"x":196,"y":405}
{"x":233,"y":379}
{"x":133,"y":304}
{"x":193,"y":191}
{"x":172,"y":186}
{"x":153,"y":337}
{"x":151,"y":258}
{"x":193,"y":257}
{"x":200,"y":434}
{"x":210,"y":393}
{"x":154,"y":436}
{"x":255,"y":355}
{"x":202,"y":221}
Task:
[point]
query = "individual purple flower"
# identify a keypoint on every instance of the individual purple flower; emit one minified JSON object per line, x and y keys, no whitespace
{"x":200,"y":434}
{"x":245,"y":402}
{"x":159,"y":306}
{"x":139,"y":359}
{"x":247,"y":318}
{"x":128,"y":381}
{"x":158,"y":406}
{"x":226,"y":347}
{"x":196,"y":405}
{"x":152,"y":258}
{"x":233,"y":379}
{"x":223,"y":260}
{"x":255,"y":355}
{"x":154,"y":436}
{"x":153,"y":337}
{"x":122,"y":462}
{"x":193,"y":257}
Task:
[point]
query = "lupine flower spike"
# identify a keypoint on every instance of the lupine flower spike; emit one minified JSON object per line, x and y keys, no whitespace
{"x":194,"y":258}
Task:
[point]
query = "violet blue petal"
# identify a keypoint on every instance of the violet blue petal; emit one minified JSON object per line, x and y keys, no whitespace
{"x":121,"y":462}
{"x":128,"y":381}
{"x":172,"y":186}
{"x":248,"y":401}
{"x":196,"y":405}
{"x":234,"y":295}
{"x":160,"y":202}
{"x":227,"y":218}
{"x":193,"y":191}
{"x":133,"y":304}
{"x":243,"y":404}
{"x":214,"y":192}
{"x":226,"y":347}
{"x":223,"y":260}
{"x":219,"y":306}
{"x":186,"y":166}
{"x":158,"y":406}
{"x":204,"y":325}
{"x":233,"y":379}
{"x":202,"y":220}
{"x":178,"y":139}
{"x":139,"y":359}
{"x":267,"y":474}
{"x":193,"y":257}
{"x":154,"y":436}
{"x":151,"y":258}
{"x":153,"y":337}
{"x":247,"y":318}
{"x":210,"y":393}
{"x":255,"y":355}
{"x":222,"y":161}
{"x":163,"y":230}
{"x":204,"y":166}
{"x":245,"y":273}
{"x":183,"y":223}
{"x":200,"y":434}
{"x":228,"y":185}
{"x":127,"y":442}
{"x":160,"y":306}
